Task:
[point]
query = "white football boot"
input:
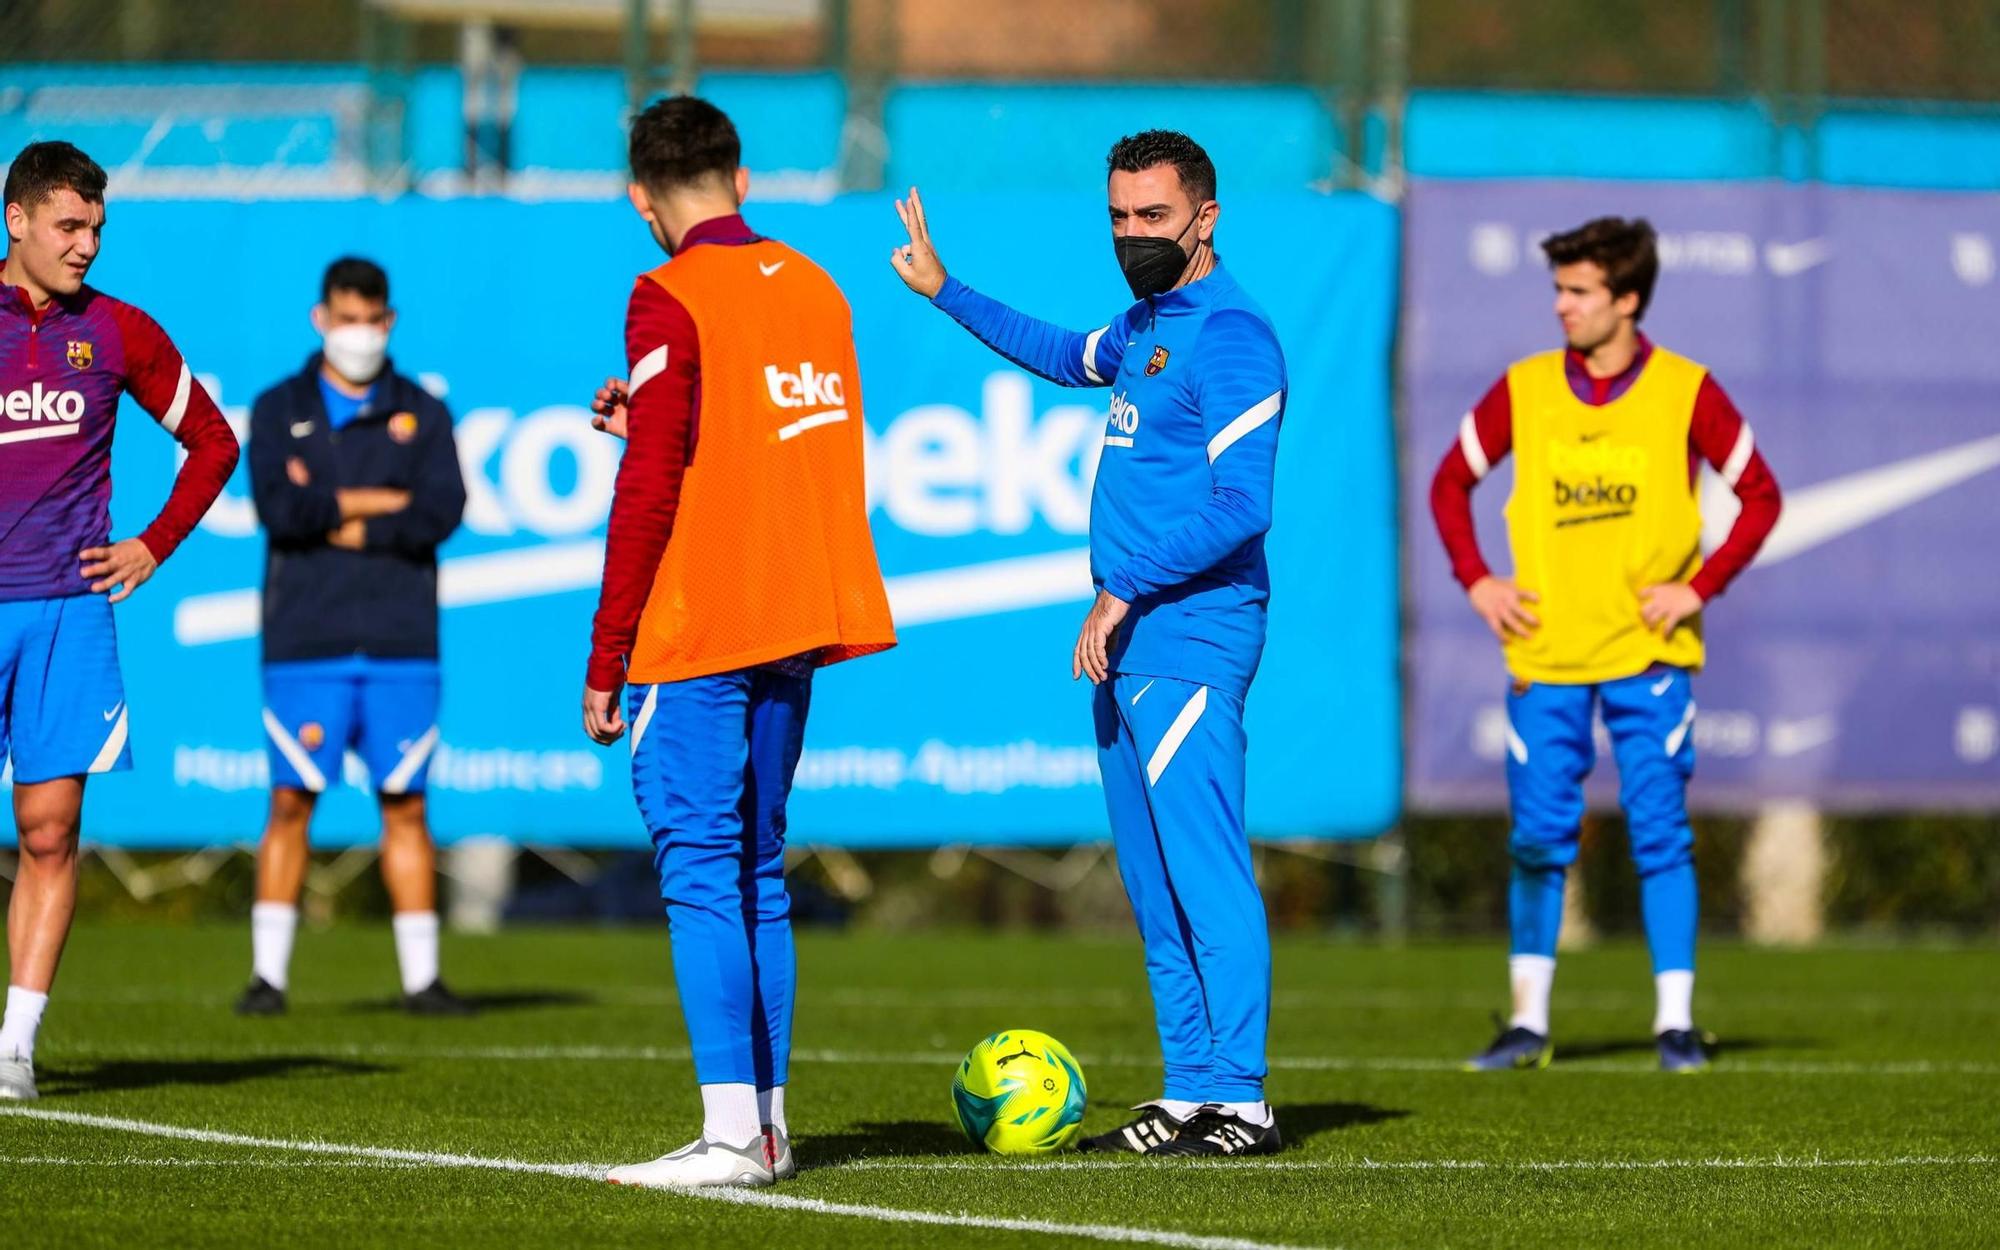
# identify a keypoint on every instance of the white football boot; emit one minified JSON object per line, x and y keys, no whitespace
{"x":778,"y":1152}
{"x":699,"y":1165}
{"x":17,"y":1080}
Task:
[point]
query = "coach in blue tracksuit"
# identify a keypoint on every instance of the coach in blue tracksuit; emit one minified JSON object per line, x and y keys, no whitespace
{"x":356,"y":478}
{"x":1177,"y":522}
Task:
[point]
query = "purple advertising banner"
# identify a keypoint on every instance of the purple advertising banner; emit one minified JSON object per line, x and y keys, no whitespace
{"x":1857,"y":663}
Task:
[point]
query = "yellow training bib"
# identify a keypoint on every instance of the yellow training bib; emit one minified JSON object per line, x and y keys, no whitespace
{"x":1602,"y":508}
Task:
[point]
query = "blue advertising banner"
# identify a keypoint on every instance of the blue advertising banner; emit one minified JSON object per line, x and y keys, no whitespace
{"x":971,"y":730}
{"x":1857,"y":663}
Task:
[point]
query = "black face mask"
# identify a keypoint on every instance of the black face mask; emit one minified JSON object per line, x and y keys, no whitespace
{"x":1153,"y":264}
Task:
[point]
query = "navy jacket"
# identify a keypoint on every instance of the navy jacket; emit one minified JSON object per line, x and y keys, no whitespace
{"x":320,"y":600}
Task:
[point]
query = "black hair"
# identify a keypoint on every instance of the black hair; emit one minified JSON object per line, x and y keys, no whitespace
{"x":680,"y":140}
{"x":1165,"y":147}
{"x":1627,"y":251}
{"x":42,"y":169}
{"x":357,"y":274}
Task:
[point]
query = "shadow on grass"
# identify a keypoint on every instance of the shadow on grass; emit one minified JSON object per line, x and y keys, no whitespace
{"x":1300,"y":1122}
{"x":128,"y":1074}
{"x":884,"y":1139}
{"x":1602,"y":1048}
{"x":497,"y":1000}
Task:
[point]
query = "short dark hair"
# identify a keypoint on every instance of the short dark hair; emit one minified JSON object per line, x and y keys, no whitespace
{"x":682,"y":139}
{"x":357,"y":274}
{"x":1626,"y":250}
{"x":1165,"y":147}
{"x":42,"y":169}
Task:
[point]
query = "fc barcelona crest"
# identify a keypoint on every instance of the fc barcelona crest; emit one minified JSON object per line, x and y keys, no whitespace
{"x":81,"y":353}
{"x":403,"y":426}
{"x":1157,"y":363}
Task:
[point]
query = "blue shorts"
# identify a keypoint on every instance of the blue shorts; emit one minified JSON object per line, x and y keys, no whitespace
{"x":384,"y":710}
{"x":62,"y":702}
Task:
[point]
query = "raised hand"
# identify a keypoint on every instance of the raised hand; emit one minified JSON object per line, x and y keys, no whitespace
{"x":916,"y":262}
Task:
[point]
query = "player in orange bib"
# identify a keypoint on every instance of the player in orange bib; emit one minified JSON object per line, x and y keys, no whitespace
{"x":737,"y":562}
{"x":1604,"y":607}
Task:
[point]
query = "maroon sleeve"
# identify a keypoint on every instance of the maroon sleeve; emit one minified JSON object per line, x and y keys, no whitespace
{"x":661,"y":352}
{"x":1720,"y":435}
{"x":1484,"y":437}
{"x":158,"y":379}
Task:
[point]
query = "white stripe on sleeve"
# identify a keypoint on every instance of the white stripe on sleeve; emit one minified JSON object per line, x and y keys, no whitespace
{"x":1257,"y":414}
{"x":1739,"y":457}
{"x":1090,"y":354}
{"x":171,"y":422}
{"x":650,"y":366}
{"x":1468,"y":442}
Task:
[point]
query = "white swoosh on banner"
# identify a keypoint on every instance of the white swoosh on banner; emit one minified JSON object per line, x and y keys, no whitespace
{"x":1824,"y":511}
{"x":1010,"y":585}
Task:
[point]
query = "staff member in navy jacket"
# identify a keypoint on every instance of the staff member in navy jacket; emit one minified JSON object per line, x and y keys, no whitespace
{"x":356,"y":479}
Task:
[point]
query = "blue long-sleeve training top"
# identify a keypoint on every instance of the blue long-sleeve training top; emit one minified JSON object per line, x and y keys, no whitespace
{"x":1183,"y":492}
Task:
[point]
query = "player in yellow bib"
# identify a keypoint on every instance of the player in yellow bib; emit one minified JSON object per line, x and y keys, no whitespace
{"x":1604,"y":609}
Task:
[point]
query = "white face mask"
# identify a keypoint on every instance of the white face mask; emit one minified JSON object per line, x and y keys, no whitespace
{"x":356,"y":352}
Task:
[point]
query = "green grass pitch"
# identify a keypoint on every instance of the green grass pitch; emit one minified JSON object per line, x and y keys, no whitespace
{"x":1856,"y":1101}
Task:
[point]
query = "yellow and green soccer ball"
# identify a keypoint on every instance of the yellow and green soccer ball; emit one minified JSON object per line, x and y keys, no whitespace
{"x":1019,"y":1093}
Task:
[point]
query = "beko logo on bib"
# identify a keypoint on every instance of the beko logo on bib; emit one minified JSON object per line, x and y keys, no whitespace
{"x":808,"y":388}
{"x":1124,"y":416}
{"x":38,"y":403}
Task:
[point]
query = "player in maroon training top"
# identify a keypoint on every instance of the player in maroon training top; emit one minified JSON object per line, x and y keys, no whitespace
{"x":67,"y":353}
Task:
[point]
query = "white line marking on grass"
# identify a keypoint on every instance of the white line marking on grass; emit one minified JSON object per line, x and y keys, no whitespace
{"x":595,"y":1172}
{"x":1776,"y":1162}
{"x":141,"y":1161}
{"x":930,"y":1058}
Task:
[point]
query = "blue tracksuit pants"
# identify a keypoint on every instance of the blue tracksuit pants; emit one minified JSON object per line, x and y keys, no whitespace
{"x":712,"y":764}
{"x":1550,"y":751}
{"x":1171,"y":753}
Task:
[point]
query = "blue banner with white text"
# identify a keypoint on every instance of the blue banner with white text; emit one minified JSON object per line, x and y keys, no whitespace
{"x":979,"y":478}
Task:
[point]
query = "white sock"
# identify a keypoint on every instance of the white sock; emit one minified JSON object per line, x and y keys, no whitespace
{"x":272,"y":927}
{"x":729,"y":1114}
{"x":1675,"y":998}
{"x":1179,"y":1108}
{"x":24,"y":1019}
{"x":416,"y":948}
{"x":1532,"y":977}
{"x":771,"y":1108}
{"x":1257,"y":1113}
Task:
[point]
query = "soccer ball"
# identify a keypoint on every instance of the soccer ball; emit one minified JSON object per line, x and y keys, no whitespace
{"x":1019,"y":1093}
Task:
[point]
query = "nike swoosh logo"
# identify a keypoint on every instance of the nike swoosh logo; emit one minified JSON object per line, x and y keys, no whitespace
{"x":1015,"y":584}
{"x":1789,"y":260}
{"x":1660,"y":686}
{"x":113,"y":713}
{"x":1822,"y":512}
{"x":768,"y":270}
{"x":301,"y":428}
{"x":1787,"y":738}
{"x":1589,"y":438}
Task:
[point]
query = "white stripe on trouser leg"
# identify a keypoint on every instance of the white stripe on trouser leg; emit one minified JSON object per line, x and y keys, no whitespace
{"x":1680,"y":733}
{"x":644,"y":718}
{"x":294,"y":754}
{"x":113,"y":744}
{"x":1177,"y":733}
{"x":413,"y":759}
{"x":1515,"y":746}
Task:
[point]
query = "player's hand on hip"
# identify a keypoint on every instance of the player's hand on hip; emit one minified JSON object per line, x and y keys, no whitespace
{"x":1666,"y":605}
{"x":916,"y":262}
{"x":607,"y":407}
{"x":125,"y":565}
{"x":1093,"y":643}
{"x":601,"y":718}
{"x":1504,"y":607}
